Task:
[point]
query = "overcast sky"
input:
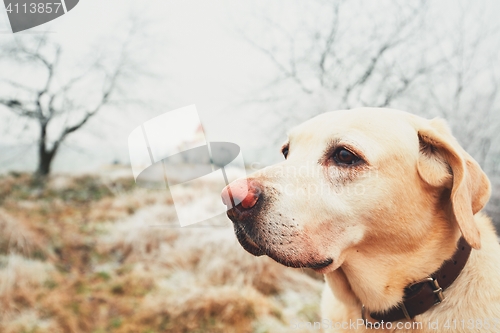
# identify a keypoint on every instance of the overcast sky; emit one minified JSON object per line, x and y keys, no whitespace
{"x":198,"y":56}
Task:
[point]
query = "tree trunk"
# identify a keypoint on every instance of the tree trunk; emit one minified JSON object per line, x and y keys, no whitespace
{"x":44,"y":162}
{"x":45,"y":156}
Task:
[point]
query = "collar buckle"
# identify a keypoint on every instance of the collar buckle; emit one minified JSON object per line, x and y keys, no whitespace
{"x":436,"y":288}
{"x":438,"y":291}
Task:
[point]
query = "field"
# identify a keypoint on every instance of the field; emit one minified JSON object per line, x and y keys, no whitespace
{"x":97,"y":254}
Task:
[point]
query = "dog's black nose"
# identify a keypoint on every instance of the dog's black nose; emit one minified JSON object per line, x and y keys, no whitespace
{"x":242,"y":191}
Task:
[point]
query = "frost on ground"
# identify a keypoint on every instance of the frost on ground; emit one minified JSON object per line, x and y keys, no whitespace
{"x":95,"y":254}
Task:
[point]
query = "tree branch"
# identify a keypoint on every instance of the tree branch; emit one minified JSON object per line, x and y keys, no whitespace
{"x":329,"y":42}
{"x":289,"y":73}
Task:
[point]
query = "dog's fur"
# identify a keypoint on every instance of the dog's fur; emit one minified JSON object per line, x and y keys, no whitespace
{"x":374,"y":227}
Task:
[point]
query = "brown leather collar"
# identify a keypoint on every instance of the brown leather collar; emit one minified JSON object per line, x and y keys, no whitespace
{"x":420,"y":296}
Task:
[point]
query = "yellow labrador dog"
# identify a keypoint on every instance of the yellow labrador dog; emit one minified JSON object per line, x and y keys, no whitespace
{"x":387,"y":206}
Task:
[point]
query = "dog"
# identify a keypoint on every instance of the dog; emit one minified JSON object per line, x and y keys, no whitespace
{"x":386,"y":205}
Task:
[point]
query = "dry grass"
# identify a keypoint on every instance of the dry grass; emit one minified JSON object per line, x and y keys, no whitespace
{"x":86,"y":254}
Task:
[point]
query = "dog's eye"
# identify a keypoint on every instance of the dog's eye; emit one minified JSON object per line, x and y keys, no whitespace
{"x":344,"y":156}
{"x":285,"y":151}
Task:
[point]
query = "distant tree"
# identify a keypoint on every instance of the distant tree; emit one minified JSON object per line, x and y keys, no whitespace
{"x":345,"y":54}
{"x":65,"y":99}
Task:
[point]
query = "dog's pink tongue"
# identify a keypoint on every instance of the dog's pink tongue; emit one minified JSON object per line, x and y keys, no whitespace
{"x":241,"y":191}
{"x":250,"y":200}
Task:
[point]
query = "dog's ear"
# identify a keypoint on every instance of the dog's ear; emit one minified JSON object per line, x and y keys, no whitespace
{"x":443,"y":163}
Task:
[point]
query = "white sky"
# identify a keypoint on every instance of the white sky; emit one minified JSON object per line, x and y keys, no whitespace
{"x":198,"y":57}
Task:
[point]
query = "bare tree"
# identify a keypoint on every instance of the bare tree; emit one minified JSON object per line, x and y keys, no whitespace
{"x":53,"y":103}
{"x":345,"y":57}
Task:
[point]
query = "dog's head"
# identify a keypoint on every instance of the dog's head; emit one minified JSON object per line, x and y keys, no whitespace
{"x":358,"y":181}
